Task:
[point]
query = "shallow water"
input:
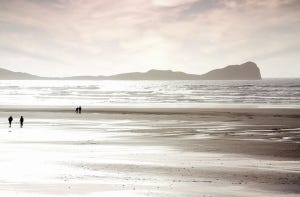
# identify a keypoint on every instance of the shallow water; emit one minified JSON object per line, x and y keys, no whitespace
{"x":263,"y":93}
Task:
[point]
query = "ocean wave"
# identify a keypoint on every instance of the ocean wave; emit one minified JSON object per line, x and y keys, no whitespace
{"x":92,"y":93}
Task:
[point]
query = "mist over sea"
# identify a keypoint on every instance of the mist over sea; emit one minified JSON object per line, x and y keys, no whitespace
{"x":263,"y":93}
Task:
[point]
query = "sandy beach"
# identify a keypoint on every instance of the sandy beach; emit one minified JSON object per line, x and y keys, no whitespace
{"x":149,"y":98}
{"x":150,"y":152}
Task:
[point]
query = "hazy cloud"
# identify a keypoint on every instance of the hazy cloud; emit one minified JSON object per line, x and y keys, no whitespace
{"x":110,"y":36}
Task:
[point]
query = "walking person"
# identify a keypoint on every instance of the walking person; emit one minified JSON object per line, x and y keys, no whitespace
{"x":79,"y":109}
{"x":10,"y":119}
{"x":21,"y":121}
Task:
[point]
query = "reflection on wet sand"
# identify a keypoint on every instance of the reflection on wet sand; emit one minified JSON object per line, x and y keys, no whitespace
{"x":150,"y":155}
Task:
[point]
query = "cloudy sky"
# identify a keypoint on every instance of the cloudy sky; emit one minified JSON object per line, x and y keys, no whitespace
{"x":103,"y":37}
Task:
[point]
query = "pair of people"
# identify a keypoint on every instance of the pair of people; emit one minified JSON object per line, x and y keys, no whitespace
{"x":10,"y":119}
{"x":78,"y":110}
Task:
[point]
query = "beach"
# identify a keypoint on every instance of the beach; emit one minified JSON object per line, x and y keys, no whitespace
{"x":150,"y":98}
{"x":150,"y":152}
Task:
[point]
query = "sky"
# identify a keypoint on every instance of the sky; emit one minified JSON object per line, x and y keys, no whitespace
{"x":105,"y":37}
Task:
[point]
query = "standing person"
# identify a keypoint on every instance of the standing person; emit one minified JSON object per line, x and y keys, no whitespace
{"x":76,"y":110}
{"x":79,"y":109}
{"x":21,"y":121}
{"x":10,"y":119}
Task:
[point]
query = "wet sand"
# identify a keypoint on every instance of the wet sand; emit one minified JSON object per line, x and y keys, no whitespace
{"x":150,"y":152}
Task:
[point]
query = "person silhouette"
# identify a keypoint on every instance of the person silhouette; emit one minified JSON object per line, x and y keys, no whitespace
{"x":79,"y":109}
{"x":76,"y":110}
{"x":10,"y":119}
{"x":21,"y":121}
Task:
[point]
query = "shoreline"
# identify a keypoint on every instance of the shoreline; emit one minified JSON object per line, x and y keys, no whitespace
{"x":141,"y":150}
{"x":156,"y":110}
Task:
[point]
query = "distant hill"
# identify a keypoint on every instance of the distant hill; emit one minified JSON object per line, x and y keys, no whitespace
{"x":155,"y":75}
{"x":7,"y":74}
{"x":246,"y":71}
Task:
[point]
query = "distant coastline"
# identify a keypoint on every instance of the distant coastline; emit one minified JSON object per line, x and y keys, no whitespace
{"x":245,"y":71}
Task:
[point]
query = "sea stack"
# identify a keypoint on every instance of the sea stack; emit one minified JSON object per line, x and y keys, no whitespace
{"x":246,"y":71}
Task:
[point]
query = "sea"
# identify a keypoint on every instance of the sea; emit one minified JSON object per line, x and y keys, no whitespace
{"x":266,"y":93}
